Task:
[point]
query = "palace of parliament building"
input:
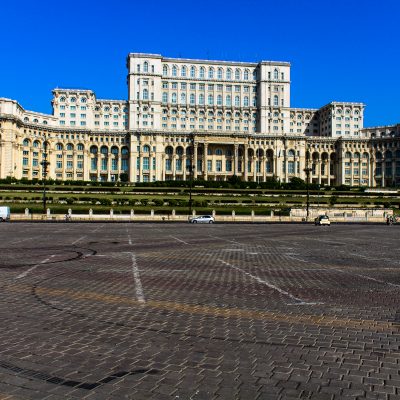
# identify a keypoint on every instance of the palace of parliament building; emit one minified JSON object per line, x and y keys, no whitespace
{"x":223,"y":118}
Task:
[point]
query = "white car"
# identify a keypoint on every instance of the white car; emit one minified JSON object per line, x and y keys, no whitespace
{"x":202,"y":219}
{"x":322,"y":220}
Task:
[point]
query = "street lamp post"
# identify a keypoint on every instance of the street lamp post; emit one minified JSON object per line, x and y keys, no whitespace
{"x":44,"y":164}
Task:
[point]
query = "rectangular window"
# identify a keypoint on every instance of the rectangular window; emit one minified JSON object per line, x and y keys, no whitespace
{"x":209,"y":165}
{"x":218,"y":166}
{"x":199,"y":165}
{"x":178,"y":165}
{"x":291,"y":167}
{"x":168,"y":165}
{"x":145,"y":163}
{"x":124,"y":164}
{"x":104,"y":163}
{"x":25,"y":161}
{"x":114,"y":164}
{"x":58,"y":164}
{"x":79,"y":165}
{"x":69,"y":165}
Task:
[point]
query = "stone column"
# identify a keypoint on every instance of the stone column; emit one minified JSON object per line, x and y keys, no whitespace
{"x":254,"y":164}
{"x":263,"y":169}
{"x":319,"y":170}
{"x":163,"y":166}
{"x":245,"y":157}
{"x":184,"y":158}
{"x":205,"y":166}
{"x":194,"y":166}
{"x":235,"y":159}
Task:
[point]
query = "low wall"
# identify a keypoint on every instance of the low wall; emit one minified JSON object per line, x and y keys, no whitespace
{"x":334,"y":217}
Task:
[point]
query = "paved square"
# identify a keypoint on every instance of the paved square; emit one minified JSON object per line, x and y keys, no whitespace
{"x":181,"y":311}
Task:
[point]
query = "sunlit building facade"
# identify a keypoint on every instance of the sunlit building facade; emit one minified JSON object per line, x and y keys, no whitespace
{"x":223,"y":118}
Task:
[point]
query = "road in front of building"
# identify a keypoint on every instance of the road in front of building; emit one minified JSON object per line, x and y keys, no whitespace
{"x":182,"y":311}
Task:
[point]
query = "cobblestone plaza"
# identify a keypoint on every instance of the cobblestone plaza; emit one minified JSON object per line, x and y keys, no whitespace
{"x":180,"y":311}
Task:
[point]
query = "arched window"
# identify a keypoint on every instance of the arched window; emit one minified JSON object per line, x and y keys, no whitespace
{"x":165,"y":70}
{"x":219,"y":100}
{"x":116,"y":109}
{"x":62,"y":99}
{"x":83,"y":100}
{"x":114,"y":150}
{"x":291,"y":153}
{"x":347,"y":154}
{"x":145,"y":66}
{"x":211,"y":73}
{"x":366,"y":156}
{"x":25,"y":142}
{"x":192,"y":72}
{"x":179,"y":150}
{"x":26,"y":119}
{"x":173,"y":98}
{"x":70,"y":147}
{"x":228,"y":74}
{"x":276,"y":101}
{"x":228,"y":100}
{"x":254,"y":101}
{"x":210,"y":100}
{"x":183,"y":98}
{"x":165,"y":97}
{"x":237,"y":101}
{"x":93,"y":149}
{"x":218,"y":152}
{"x":388,"y":155}
{"x":59,"y":147}
{"x":246,"y":101}
{"x":124,"y":151}
{"x":174,"y":71}
{"x":246,"y":75}
{"x":183,"y":71}
{"x":169,"y":150}
{"x":276,"y":74}
{"x":145,"y":94}
{"x":104,"y":150}
{"x":106,"y":109}
{"x":36,"y":144}
{"x":73,"y":99}
{"x":146,"y":149}
{"x":35,"y":120}
{"x":255,"y":74}
{"x":282,"y":76}
{"x":220,"y":73}
{"x":125,"y":109}
{"x":80,"y":147}
{"x":192,"y":99}
{"x":202,"y":72}
{"x":237,"y":74}
{"x":209,"y":152}
{"x":201,"y":99}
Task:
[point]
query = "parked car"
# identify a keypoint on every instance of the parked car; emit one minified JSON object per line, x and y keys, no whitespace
{"x":202,"y":219}
{"x":322,"y":220}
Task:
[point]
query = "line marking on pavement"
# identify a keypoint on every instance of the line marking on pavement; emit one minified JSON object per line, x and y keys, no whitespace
{"x":270,"y":285}
{"x":78,"y":240}
{"x":25,"y":273}
{"x":138,"y":283}
{"x":179,"y":240}
{"x":328,"y":269}
{"x":22,"y":240}
{"x":225,"y":240}
{"x":129,"y":239}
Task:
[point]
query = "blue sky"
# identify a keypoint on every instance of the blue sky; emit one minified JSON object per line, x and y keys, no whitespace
{"x":340,"y":50}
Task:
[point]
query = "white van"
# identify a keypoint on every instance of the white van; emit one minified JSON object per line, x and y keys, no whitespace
{"x":4,"y":214}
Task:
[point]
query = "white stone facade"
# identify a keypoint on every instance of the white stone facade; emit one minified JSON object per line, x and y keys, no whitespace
{"x":224,"y":118}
